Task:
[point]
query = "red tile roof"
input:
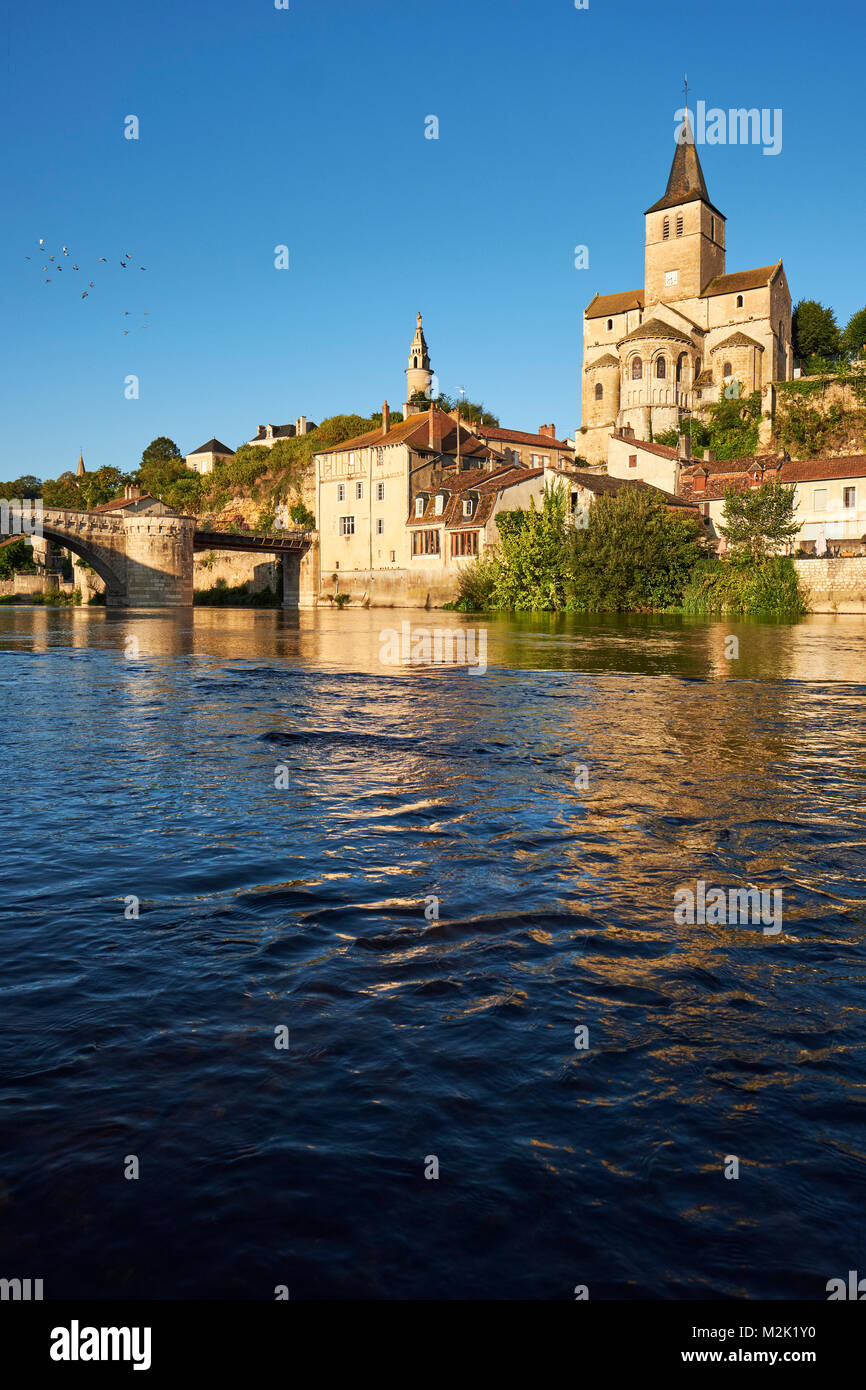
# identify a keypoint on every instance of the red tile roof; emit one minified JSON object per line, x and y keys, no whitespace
{"x":520,"y":437}
{"x":663,"y":450}
{"x":741,"y":280}
{"x":415,"y":433}
{"x":608,"y":305}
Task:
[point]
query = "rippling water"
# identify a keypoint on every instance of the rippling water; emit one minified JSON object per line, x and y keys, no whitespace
{"x":260,"y":906}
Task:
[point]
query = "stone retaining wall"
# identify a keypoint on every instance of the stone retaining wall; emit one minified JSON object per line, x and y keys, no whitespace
{"x":834,"y":586}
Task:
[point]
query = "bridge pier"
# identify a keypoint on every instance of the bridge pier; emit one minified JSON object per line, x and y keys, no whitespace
{"x":300,"y":577}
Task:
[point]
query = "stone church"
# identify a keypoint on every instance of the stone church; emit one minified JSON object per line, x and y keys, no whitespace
{"x":671,"y":348}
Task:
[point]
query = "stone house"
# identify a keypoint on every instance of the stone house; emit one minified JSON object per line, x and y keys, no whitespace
{"x":206,"y":455}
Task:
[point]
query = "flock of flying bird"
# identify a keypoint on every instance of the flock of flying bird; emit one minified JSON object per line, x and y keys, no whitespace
{"x":54,"y":264}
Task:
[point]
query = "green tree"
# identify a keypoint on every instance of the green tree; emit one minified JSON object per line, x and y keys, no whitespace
{"x":758,"y":521}
{"x":101,"y":486}
{"x":732,"y":430}
{"x":814,"y":331}
{"x":16,"y":558}
{"x":160,"y":450}
{"x":302,"y":516}
{"x":63,"y":492}
{"x":25,"y":486}
{"x":854,"y":334}
{"x":531,"y":561}
{"x":635,"y":555}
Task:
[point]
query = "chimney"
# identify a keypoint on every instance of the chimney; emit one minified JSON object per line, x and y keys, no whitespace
{"x":626,"y":432}
{"x":432,"y":434}
{"x":708,"y":455}
{"x":386,"y":418}
{"x":685,"y":449}
{"x":301,"y":425}
{"x":269,"y":431}
{"x":131,"y":492}
{"x":548,"y":431}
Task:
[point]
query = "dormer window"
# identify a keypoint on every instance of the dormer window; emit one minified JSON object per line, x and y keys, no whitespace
{"x":468,"y":506}
{"x":420,"y":503}
{"x":439,"y":504}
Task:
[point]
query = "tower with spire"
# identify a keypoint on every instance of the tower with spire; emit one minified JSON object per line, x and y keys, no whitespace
{"x":685,"y":233}
{"x":79,"y":472}
{"x":419,"y":376}
{"x":692,"y":333}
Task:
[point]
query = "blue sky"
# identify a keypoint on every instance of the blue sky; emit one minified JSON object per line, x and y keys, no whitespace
{"x":305,"y":127}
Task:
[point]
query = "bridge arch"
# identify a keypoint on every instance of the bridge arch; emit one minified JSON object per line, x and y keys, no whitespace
{"x":92,"y":554}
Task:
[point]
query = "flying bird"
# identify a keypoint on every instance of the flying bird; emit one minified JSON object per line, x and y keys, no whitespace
{"x":51,"y":258}
{"x":74,"y":266}
{"x":48,"y":282}
{"x":27,"y":258}
{"x":102,"y":258}
{"x":90,"y":283}
{"x":65,"y":250}
{"x":84,"y":295}
{"x":123,"y":263}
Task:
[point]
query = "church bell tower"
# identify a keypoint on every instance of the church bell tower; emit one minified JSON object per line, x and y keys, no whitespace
{"x":685,"y":233}
{"x":419,"y":376}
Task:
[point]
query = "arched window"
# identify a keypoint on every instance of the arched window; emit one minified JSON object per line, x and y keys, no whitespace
{"x":681,"y":366}
{"x":739,"y":301}
{"x":666,"y":229}
{"x":679,"y":224}
{"x":599,"y":391}
{"x":727,"y":369}
{"x":661,"y":368}
{"x":609,"y":324}
{"x":636,"y":369}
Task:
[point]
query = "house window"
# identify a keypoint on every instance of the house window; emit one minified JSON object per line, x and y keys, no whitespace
{"x":727,"y":370}
{"x":341,"y":492}
{"x":464,"y":543}
{"x":380,"y":525}
{"x":661,"y":368}
{"x":467,"y":507}
{"x":632,"y":460}
{"x":359,"y":491}
{"x":679,"y":224}
{"x":439,"y":504}
{"x":599,"y":392}
{"x":739,"y":301}
{"x":425,"y":542}
{"x":419,"y":506}
{"x":351,"y":460}
{"x":671,"y":277}
{"x":636,"y":369}
{"x":380,"y":492}
{"x":849,"y":497}
{"x":347,"y":526}
{"x":819,"y":499}
{"x":666,"y":229}
{"x":380,"y":457}
{"x":609,"y":325}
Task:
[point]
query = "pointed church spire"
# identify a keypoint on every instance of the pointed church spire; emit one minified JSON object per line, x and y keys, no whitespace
{"x":686,"y":181}
{"x":419,"y":375}
{"x":80,"y":471}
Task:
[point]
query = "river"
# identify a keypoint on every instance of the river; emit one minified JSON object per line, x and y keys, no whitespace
{"x":229,"y":830}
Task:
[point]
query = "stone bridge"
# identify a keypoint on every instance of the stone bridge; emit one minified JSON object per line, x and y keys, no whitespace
{"x":146,"y":558}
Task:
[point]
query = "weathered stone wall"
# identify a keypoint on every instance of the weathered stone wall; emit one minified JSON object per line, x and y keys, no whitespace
{"x":834,"y":586}
{"x":235,"y":567}
{"x":421,"y":588}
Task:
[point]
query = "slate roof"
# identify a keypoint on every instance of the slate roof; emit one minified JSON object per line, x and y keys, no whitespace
{"x":608,"y":360}
{"x":213,"y":446}
{"x":736,"y":340}
{"x":686,"y":181}
{"x":656,"y":328}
